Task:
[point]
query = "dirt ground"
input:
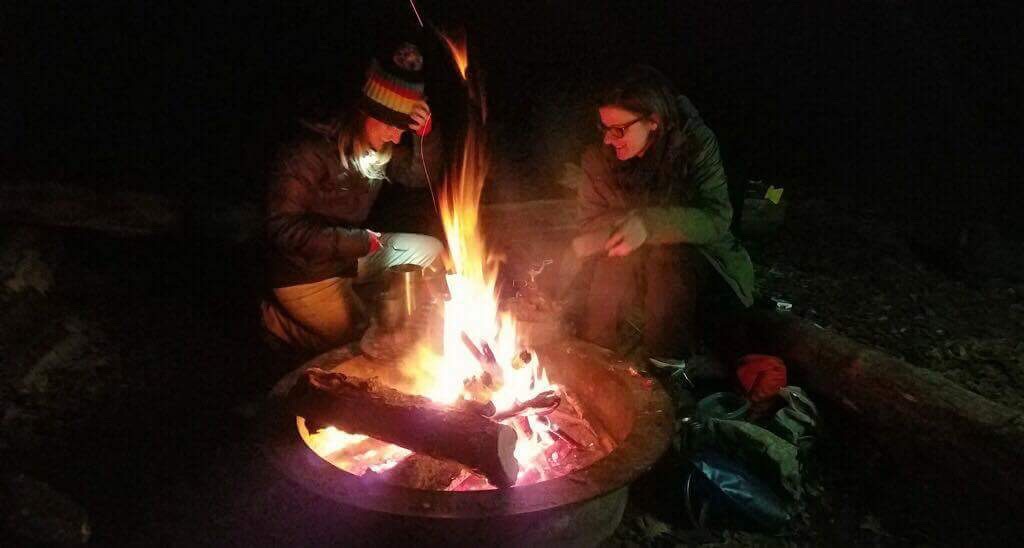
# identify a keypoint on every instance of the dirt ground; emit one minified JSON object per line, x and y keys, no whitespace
{"x":859,"y":274}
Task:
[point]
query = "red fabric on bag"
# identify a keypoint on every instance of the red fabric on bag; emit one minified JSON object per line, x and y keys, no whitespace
{"x":761,"y":376}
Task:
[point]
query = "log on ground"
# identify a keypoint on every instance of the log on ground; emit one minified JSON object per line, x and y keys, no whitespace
{"x":368,"y":407}
{"x":919,"y":415}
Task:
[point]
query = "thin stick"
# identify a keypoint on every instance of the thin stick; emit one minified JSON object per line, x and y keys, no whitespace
{"x":545,"y":403}
{"x":556,"y":432}
{"x":485,"y":357}
{"x":472,"y":348}
{"x":426,"y":175}
{"x":417,"y":12}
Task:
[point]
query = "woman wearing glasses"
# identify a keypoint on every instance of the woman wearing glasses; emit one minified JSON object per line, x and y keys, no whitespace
{"x":654,"y":212}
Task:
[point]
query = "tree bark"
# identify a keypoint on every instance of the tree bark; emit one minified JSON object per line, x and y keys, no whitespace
{"x":919,"y":415}
{"x":414,"y":422}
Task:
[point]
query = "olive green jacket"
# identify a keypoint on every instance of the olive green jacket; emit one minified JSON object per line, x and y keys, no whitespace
{"x":694,"y":209}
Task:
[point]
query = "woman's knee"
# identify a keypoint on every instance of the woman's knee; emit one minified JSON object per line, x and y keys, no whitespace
{"x":415,"y":248}
{"x":429,"y":249}
{"x":432,"y":248}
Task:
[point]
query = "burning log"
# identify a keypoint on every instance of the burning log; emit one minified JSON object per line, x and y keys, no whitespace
{"x":485,"y":409}
{"x":545,"y":402}
{"x":558,"y":433}
{"x":485,"y":356}
{"x":414,"y":422}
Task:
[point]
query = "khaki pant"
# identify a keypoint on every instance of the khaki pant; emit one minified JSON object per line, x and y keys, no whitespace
{"x":318,"y":316}
{"x":313,"y":317}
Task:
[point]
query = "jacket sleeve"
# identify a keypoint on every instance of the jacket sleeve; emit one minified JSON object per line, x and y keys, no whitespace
{"x":292,"y":227}
{"x":708,"y":217}
{"x":597,"y":207}
{"x":407,"y":165}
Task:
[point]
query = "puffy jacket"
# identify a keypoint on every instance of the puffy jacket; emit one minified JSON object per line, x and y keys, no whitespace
{"x":315,"y":209}
{"x":694,"y":209}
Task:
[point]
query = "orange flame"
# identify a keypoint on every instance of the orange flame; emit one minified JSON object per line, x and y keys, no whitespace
{"x":460,"y":53}
{"x":471,"y":317}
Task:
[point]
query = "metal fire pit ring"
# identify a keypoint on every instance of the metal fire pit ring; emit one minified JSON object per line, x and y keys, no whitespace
{"x":588,"y":503}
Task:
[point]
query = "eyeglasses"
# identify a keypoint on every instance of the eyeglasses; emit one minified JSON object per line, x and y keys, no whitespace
{"x":617,"y":131}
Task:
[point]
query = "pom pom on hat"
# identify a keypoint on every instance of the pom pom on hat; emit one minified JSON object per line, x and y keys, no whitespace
{"x":394,"y":85}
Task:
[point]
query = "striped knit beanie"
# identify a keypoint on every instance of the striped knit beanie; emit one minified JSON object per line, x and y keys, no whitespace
{"x":393,"y":86}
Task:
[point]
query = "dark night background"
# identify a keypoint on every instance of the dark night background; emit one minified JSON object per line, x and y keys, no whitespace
{"x":909,"y":110}
{"x":915,"y":102}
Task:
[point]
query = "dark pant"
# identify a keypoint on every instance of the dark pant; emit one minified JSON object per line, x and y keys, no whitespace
{"x":667,"y":279}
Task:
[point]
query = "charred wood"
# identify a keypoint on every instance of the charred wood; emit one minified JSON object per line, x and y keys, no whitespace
{"x":541,"y":404}
{"x":416,"y":423}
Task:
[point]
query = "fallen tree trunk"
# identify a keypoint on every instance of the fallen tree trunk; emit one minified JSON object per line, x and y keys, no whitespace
{"x":120,"y":213}
{"x":367,"y":407}
{"x":917,"y":414}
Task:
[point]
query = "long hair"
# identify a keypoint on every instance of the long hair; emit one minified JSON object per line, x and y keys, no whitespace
{"x":646,"y":91}
{"x":353,"y":151}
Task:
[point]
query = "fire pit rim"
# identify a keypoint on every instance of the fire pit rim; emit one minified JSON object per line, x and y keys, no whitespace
{"x":647,"y":440}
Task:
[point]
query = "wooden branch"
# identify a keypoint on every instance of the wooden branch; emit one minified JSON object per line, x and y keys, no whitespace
{"x":120,"y":213}
{"x":917,"y":414}
{"x":416,"y":423}
{"x":543,"y":404}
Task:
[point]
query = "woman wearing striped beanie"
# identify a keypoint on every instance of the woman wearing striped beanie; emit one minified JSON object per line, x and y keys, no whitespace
{"x":320,"y":194}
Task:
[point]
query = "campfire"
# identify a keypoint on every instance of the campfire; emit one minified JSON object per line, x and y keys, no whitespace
{"x":419,"y":496}
{"x":454,"y":428}
{"x":499,"y":421}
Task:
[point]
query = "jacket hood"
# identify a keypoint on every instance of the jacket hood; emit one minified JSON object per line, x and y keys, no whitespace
{"x":686,"y":109}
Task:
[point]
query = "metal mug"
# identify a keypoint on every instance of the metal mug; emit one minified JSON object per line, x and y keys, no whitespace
{"x":406,"y":283}
{"x":390,"y":310}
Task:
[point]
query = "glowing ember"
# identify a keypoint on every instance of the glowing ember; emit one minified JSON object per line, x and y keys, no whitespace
{"x":358,"y":452}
